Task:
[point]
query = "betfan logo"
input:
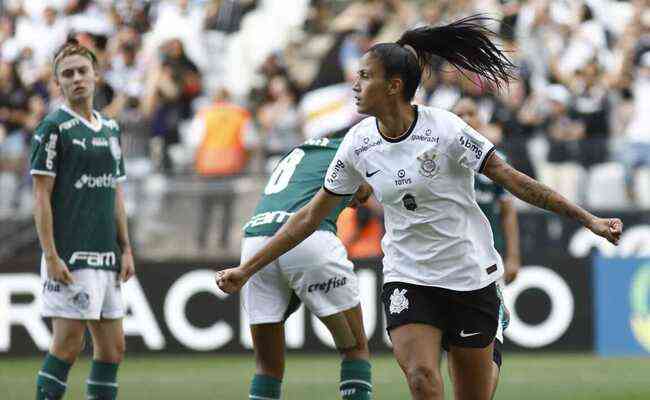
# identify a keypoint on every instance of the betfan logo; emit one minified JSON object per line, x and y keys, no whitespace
{"x":96,"y":182}
{"x":93,"y":258}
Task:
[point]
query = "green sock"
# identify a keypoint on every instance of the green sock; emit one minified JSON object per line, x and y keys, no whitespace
{"x":51,"y":381}
{"x":264,"y":387}
{"x":102,"y":382}
{"x":355,"y":380}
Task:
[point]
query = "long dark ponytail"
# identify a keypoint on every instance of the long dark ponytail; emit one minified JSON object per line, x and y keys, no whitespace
{"x":466,"y":44}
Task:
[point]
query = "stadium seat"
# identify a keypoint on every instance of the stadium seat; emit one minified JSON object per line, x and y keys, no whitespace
{"x":642,"y":187}
{"x":566,"y":178}
{"x":606,"y":187}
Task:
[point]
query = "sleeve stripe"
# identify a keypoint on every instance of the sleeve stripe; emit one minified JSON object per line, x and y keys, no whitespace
{"x":334,"y":193}
{"x":40,"y":172}
{"x":487,"y":155}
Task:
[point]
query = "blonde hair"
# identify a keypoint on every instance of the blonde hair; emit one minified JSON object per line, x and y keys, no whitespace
{"x":70,"y":48}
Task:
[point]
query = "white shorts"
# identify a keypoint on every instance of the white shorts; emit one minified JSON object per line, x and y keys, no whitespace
{"x":317,"y":271}
{"x":95,"y":294}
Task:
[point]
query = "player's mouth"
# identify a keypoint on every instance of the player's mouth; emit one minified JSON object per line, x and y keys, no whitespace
{"x":78,"y":89}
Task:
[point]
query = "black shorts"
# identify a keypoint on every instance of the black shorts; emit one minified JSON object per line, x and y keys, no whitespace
{"x":496,"y":352}
{"x":466,"y":319}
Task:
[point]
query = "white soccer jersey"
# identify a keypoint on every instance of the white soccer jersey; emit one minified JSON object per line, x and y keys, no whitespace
{"x":436,"y":234}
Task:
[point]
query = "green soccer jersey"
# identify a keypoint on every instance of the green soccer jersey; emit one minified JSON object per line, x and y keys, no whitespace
{"x":488,"y":195}
{"x":86,"y":163}
{"x":293,"y":183}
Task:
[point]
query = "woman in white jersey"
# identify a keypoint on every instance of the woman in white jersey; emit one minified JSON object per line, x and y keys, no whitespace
{"x":439,"y":259}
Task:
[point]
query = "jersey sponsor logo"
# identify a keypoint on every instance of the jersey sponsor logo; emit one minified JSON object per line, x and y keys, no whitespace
{"x":370,"y":174}
{"x":80,"y":142}
{"x":51,"y":286}
{"x":38,"y":138}
{"x":398,"y":301}
{"x":50,"y":151}
{"x":428,"y":165}
{"x":68,"y":124}
{"x":367,"y":145}
{"x":402,"y":179}
{"x":116,"y":151}
{"x":426,"y":137}
{"x":96,"y":182}
{"x":99,"y":142}
{"x":94,"y":258}
{"x":270,"y":217}
{"x":409,"y":202}
{"x":338,"y":167}
{"x":473,"y":145}
{"x":331,"y":283}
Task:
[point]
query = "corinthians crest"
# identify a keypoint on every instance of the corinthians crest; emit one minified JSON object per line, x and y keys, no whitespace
{"x":428,"y":164}
{"x":398,"y":301}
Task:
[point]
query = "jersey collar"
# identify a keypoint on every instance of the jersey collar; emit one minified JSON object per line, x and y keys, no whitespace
{"x":84,"y":120}
{"x":404,"y":135}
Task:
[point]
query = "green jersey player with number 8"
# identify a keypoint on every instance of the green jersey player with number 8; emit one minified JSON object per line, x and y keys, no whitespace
{"x":317,"y":273}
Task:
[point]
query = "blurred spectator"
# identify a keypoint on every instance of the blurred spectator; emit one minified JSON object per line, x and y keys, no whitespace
{"x":468,"y":110}
{"x":226,"y":15}
{"x":21,"y":109}
{"x":134,"y":13}
{"x":172,"y":84}
{"x":361,"y":230}
{"x":635,"y":152}
{"x":279,"y":119}
{"x":447,"y":90}
{"x":225,"y":138}
{"x":591,"y":106}
{"x":563,"y":131}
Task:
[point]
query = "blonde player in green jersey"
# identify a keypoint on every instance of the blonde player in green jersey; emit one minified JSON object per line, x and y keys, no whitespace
{"x":77,"y":167}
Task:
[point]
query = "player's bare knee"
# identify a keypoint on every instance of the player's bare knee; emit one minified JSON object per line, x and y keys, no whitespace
{"x":112,"y":352}
{"x":356,"y":352}
{"x":67,"y":348}
{"x":119,"y":350}
{"x":424,"y":381}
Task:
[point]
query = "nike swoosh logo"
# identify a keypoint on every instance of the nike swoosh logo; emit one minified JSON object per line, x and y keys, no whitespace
{"x":463,"y":334}
{"x":369,"y":175}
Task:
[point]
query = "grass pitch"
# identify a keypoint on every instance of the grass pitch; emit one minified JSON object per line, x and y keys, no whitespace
{"x":315,"y":377}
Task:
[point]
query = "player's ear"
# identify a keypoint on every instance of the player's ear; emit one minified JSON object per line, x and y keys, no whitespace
{"x":395,"y":86}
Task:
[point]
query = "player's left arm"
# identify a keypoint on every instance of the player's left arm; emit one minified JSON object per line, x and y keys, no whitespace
{"x":510,"y":227}
{"x":128,"y":265}
{"x":540,"y":195}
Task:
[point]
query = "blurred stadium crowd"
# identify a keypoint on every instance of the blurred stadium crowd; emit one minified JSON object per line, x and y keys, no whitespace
{"x":209,"y":93}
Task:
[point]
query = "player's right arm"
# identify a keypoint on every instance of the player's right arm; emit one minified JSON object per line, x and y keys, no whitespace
{"x":341,"y":179}
{"x":56,"y":268}
{"x":44,"y":164}
{"x":301,"y":224}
